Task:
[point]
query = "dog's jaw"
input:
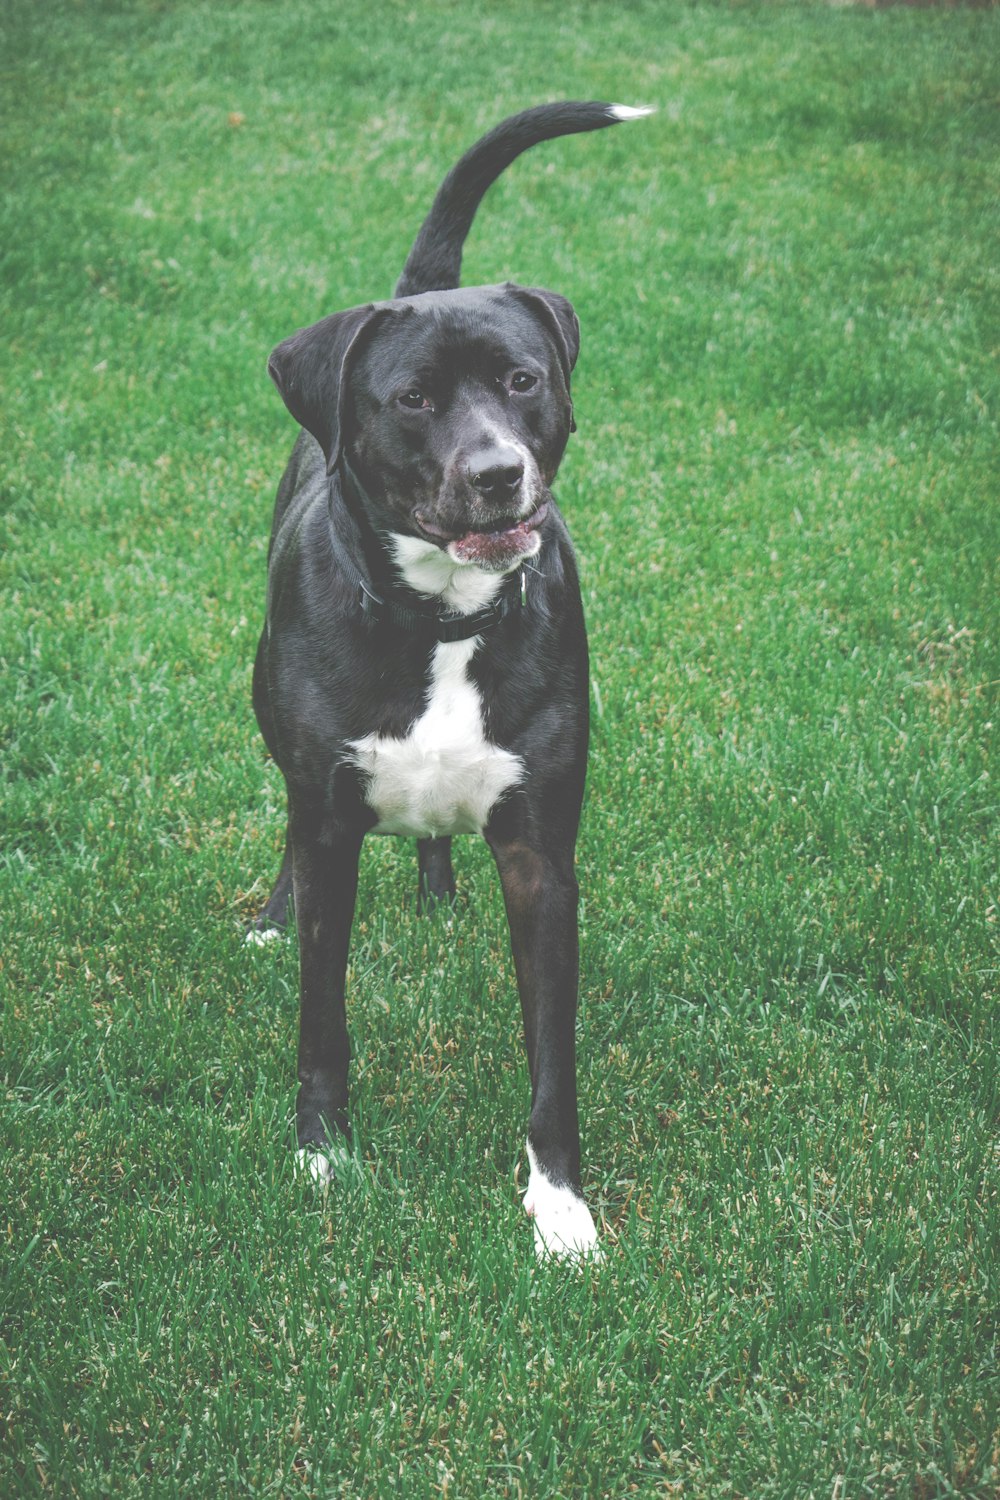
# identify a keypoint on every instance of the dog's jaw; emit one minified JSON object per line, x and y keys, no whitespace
{"x":499,"y":551}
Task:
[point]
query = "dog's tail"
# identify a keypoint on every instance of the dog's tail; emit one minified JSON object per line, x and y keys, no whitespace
{"x":435,"y":262}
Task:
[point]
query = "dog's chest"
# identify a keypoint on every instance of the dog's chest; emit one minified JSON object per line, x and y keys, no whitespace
{"x":444,"y":776}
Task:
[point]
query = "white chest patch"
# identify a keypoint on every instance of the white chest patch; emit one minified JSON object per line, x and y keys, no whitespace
{"x":445,"y":775}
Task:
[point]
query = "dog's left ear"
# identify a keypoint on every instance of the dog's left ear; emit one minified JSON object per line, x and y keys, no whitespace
{"x":557,"y":315}
{"x":311,"y":370}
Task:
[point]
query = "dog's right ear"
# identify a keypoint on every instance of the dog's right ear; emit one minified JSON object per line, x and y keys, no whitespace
{"x":311,"y":370}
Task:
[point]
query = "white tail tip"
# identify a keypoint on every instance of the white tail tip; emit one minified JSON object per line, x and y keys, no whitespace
{"x":629,"y":112}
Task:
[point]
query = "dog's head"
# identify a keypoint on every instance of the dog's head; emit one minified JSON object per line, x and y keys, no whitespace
{"x":453,"y":408}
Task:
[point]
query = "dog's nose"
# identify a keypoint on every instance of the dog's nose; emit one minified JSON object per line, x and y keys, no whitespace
{"x":496,"y":472}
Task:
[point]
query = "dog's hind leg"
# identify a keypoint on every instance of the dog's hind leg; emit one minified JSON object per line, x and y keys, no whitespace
{"x":272,"y":919}
{"x":436,"y":878}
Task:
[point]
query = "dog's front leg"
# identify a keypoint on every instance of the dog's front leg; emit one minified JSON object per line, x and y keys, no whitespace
{"x":541,"y":894}
{"x":325,"y":862}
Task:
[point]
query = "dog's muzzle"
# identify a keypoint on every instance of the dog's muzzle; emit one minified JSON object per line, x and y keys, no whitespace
{"x":506,"y":507}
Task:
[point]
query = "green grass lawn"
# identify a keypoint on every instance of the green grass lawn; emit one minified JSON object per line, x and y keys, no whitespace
{"x":784,"y":497}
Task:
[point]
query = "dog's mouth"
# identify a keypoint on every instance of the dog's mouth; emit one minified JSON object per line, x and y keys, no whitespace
{"x":500,"y":543}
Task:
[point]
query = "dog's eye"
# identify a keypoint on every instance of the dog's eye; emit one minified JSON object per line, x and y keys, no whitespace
{"x":522,"y":381}
{"x":413,"y":400}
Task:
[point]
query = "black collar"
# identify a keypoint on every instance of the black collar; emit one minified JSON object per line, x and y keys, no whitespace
{"x":444,"y":625}
{"x":427,"y":619}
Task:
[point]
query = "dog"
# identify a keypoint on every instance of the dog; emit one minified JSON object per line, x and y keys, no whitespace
{"x":423,"y":666}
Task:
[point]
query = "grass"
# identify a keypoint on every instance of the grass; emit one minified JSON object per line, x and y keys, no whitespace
{"x":783,"y":493}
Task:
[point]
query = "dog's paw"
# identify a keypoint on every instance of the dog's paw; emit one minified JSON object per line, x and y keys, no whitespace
{"x":324,"y":1163}
{"x":564,"y":1230}
{"x":563,"y":1224}
{"x":259,"y":937}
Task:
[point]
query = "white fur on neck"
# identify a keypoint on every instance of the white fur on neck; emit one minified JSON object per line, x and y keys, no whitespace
{"x":427,"y":570}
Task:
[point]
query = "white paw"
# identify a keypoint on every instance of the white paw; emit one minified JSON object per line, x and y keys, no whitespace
{"x":322,"y":1163}
{"x":259,"y":937}
{"x":563,"y":1224}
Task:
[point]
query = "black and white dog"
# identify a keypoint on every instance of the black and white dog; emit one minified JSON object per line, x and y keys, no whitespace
{"x":423,"y":668}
